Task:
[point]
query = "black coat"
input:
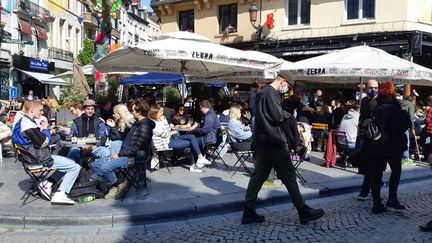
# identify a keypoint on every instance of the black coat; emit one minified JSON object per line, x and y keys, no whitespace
{"x":392,"y":123}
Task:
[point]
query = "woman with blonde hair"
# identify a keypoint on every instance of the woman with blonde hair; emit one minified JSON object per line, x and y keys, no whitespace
{"x":236,"y":129}
{"x":164,"y":138}
{"x":119,"y":127}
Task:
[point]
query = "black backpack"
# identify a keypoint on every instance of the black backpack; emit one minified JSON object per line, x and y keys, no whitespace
{"x":85,"y":186}
{"x":371,"y":130}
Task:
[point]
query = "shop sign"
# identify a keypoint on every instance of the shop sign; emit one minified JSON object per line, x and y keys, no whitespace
{"x":38,"y":65}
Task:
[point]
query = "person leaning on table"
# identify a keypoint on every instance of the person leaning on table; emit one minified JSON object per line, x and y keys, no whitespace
{"x":273,"y":152}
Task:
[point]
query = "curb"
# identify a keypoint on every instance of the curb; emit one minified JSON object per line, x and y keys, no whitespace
{"x":145,"y":213}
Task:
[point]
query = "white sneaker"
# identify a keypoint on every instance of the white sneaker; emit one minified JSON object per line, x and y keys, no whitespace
{"x":61,"y":198}
{"x":203,"y":161}
{"x":45,"y":189}
{"x":199,"y":165}
{"x":195,"y":169}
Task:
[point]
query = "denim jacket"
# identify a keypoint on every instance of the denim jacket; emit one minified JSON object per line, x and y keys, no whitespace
{"x":237,"y":130}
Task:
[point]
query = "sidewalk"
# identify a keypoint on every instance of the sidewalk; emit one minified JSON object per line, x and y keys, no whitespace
{"x":181,"y":194}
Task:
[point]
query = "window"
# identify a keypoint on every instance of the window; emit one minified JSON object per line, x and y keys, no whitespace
{"x":228,"y":18}
{"x":360,"y":9}
{"x":299,"y":12}
{"x":186,"y":20}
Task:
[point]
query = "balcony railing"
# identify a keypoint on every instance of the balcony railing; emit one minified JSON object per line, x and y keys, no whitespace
{"x":35,"y":9}
{"x":60,"y":54}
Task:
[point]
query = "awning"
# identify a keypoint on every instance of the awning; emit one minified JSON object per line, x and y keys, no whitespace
{"x":45,"y":78}
{"x":41,"y":33}
{"x":25,"y":27}
{"x":161,"y":78}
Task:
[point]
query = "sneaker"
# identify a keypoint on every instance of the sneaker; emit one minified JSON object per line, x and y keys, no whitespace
{"x":61,"y":198}
{"x":34,"y":167}
{"x":362,"y":196}
{"x":199,"y":165}
{"x":269,"y":184}
{"x":379,"y":208}
{"x":112,"y":193}
{"x":195,"y":169}
{"x":250,"y":216}
{"x":121,"y":189}
{"x":307,"y":214}
{"x":45,"y":189}
{"x":407,"y":161}
{"x":204,"y":161}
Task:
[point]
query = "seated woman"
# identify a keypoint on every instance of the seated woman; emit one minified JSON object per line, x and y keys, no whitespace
{"x":238,"y":132}
{"x":163,"y":139}
{"x":322,"y":116}
{"x":119,"y":127}
{"x":181,"y":118}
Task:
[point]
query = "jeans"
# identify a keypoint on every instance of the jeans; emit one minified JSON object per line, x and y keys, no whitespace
{"x":69,"y":167}
{"x":100,"y":152}
{"x":280,"y":160}
{"x":186,"y":141}
{"x":406,"y":154}
{"x":105,"y":168}
{"x":115,"y":146}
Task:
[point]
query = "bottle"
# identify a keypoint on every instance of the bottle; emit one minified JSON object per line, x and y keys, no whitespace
{"x":86,"y":199}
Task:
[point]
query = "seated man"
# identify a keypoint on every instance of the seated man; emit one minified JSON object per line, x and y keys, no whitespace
{"x":207,"y":133}
{"x":33,"y":144}
{"x":4,"y":109}
{"x":84,"y":125}
{"x":138,"y":138}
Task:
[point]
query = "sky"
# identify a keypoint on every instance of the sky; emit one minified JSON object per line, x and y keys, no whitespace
{"x":146,"y":3}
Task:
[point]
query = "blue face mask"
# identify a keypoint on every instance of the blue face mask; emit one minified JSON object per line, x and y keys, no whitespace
{"x":372,"y":93}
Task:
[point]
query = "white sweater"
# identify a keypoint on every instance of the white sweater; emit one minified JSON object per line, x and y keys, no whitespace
{"x":161,"y":135}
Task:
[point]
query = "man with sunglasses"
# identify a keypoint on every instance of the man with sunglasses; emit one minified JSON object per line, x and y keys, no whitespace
{"x":367,"y":106}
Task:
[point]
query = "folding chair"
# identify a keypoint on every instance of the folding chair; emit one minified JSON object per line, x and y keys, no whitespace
{"x":341,"y":141}
{"x":212,"y":150}
{"x":132,"y":171}
{"x":165,"y":157}
{"x":242,"y":151}
{"x":37,"y":175}
{"x":297,"y":159}
{"x":317,"y":129}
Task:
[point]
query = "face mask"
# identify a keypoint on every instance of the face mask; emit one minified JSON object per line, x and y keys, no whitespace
{"x":283,"y":89}
{"x":372,"y":93}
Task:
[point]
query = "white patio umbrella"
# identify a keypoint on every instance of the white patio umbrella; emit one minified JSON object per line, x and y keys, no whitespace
{"x":249,"y":76}
{"x":351,"y":64}
{"x":186,"y":53}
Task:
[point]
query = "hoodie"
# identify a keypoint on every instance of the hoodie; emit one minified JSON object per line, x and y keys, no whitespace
{"x":349,"y":125}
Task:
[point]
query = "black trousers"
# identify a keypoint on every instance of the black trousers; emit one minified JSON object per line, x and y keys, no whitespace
{"x":378,"y":165}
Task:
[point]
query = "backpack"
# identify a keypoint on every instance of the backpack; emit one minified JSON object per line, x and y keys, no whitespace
{"x":371,"y":130}
{"x":85,"y":186}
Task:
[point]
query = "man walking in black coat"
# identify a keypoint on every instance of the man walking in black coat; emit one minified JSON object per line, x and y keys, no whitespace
{"x":273,"y":152}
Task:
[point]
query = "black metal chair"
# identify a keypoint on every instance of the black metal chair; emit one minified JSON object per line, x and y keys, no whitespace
{"x":135,"y":173}
{"x":212,"y":151}
{"x":341,"y":148}
{"x":37,"y":174}
{"x":242,"y":151}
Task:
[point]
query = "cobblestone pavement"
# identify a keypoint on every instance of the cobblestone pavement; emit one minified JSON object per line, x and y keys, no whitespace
{"x":346,"y":220}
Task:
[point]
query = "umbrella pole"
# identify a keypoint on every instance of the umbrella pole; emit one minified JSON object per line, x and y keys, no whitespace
{"x":361,"y":89}
{"x":183,"y":64}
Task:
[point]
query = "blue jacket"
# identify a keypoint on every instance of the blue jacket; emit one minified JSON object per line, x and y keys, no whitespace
{"x":209,"y":128}
{"x":236,"y":129}
{"x":32,"y":142}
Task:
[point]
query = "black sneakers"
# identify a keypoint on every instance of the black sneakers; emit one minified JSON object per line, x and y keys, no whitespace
{"x":307,"y":214}
{"x":394,"y":203}
{"x":379,"y":208}
{"x":250,"y":216}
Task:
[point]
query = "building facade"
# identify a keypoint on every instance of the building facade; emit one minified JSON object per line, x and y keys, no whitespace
{"x":305,"y":28}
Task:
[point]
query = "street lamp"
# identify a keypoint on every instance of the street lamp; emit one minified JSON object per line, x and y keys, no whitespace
{"x":253,"y":12}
